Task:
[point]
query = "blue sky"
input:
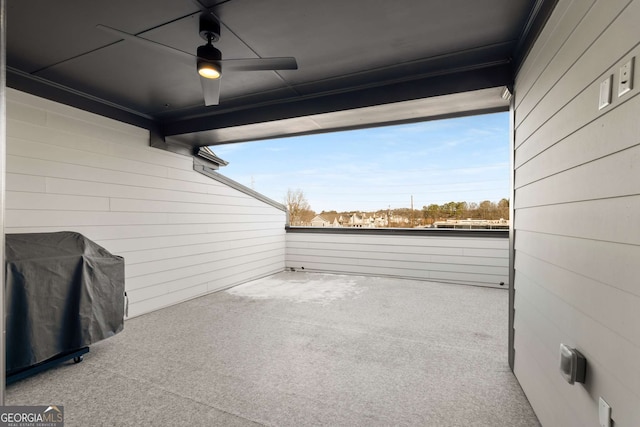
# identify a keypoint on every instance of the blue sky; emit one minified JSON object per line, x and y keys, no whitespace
{"x":463,"y":159}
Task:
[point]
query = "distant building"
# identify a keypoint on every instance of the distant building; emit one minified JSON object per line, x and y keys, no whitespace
{"x":473,"y":224}
{"x":380,"y":221}
{"x":356,"y":220}
{"x":326,"y":220}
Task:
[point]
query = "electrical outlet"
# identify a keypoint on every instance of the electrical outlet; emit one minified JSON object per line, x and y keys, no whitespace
{"x":625,"y":84}
{"x":605,"y":93}
{"x":604,"y":413}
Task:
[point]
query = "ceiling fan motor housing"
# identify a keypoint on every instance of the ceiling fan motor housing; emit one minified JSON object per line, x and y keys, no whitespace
{"x":209,"y":53}
{"x":209,"y":27}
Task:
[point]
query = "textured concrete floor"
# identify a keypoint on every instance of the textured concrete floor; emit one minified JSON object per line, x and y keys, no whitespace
{"x":300,"y":349}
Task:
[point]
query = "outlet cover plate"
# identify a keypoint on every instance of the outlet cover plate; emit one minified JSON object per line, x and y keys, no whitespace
{"x":625,"y":83}
{"x":604,"y":413}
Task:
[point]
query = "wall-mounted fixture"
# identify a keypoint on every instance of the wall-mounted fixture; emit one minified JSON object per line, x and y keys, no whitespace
{"x":573,"y":364}
{"x":605,"y":92}
{"x":506,"y":94}
{"x":625,"y":83}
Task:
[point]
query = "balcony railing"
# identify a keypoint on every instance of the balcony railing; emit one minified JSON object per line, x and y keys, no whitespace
{"x":470,"y":257}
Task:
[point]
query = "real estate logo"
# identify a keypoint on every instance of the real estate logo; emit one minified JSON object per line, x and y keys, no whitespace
{"x":32,"y":416}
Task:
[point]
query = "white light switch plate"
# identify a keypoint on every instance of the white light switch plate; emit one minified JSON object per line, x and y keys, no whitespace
{"x":604,"y":413}
{"x":605,"y":93}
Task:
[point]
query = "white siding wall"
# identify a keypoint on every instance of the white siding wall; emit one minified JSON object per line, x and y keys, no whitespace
{"x":577,"y":215}
{"x":479,"y":261}
{"x":182,"y":234}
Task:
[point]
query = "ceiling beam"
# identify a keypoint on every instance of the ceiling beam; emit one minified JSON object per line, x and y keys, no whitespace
{"x":499,"y":74}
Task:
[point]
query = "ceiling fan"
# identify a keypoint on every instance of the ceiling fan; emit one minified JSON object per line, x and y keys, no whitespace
{"x":208,"y":59}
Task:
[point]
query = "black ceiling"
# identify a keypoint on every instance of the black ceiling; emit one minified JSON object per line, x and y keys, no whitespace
{"x":350,"y":53}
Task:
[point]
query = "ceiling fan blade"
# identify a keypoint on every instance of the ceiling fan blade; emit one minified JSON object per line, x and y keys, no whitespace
{"x":188,"y":58}
{"x":210,"y":90}
{"x":257,"y":64}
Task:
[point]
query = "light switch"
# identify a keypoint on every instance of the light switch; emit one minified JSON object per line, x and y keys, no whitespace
{"x":604,"y":413}
{"x":625,"y":84}
{"x":605,"y":93}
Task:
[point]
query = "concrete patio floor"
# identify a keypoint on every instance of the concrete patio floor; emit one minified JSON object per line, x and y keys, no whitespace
{"x":300,"y":349}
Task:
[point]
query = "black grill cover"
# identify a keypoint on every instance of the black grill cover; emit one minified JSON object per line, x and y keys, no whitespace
{"x":63,"y":292}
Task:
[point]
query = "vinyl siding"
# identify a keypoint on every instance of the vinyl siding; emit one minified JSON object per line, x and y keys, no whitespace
{"x":181,"y":234}
{"x":577,"y":214}
{"x":481,"y":261}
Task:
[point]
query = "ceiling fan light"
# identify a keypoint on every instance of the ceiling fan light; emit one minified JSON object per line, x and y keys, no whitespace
{"x":208,"y":62}
{"x":209,"y":70}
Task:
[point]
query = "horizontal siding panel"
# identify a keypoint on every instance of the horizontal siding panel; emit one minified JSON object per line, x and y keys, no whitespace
{"x":431,"y":248}
{"x":492,"y":259}
{"x":596,"y":140}
{"x":621,"y":170}
{"x":488,"y":280}
{"x":399,"y":257}
{"x":236,"y":275}
{"x":149,"y":255}
{"x":189,"y":176}
{"x":389,"y":262}
{"x":44,"y":151}
{"x":243,"y":249}
{"x":487,"y":252}
{"x":611,"y":358}
{"x":345,"y":245}
{"x":615,"y":309}
{"x":69,"y":186}
{"x":93,"y":127}
{"x":19,"y":182}
{"x":18,"y":131}
{"x":610,"y":263}
{"x":205,"y":279}
{"x":448,"y":277}
{"x":249,"y":260}
{"x":127,"y":245}
{"x":610,"y":220}
{"x":156,"y":157}
{"x":23,"y":113}
{"x":37,"y":201}
{"x":107,"y":234}
{"x":165,"y":300}
{"x":139,"y":306}
{"x":22,"y":218}
{"x":133,"y":205}
{"x":43,"y":167}
{"x":402,"y":241}
{"x":450,"y":260}
{"x":130,"y":133}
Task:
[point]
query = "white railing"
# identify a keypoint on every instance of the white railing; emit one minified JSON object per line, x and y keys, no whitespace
{"x":469,"y":257}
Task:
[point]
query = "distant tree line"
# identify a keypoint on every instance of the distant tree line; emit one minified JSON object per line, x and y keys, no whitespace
{"x":462,"y":210}
{"x":300,"y":213}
